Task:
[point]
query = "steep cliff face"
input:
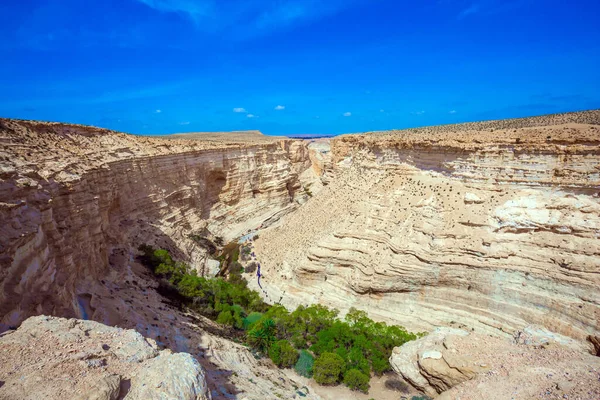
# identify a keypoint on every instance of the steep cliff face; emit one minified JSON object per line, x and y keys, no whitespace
{"x":75,"y":202}
{"x":489,"y":226}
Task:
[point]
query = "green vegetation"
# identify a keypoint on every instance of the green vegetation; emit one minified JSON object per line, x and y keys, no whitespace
{"x":356,"y":380}
{"x":328,"y":369}
{"x":347,"y":350}
{"x":283,"y":354}
{"x":304,"y":365}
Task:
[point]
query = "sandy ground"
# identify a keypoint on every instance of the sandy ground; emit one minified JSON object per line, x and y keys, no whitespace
{"x":378,"y":390}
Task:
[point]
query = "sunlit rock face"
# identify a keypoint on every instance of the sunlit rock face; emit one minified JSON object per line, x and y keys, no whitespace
{"x":76,"y":202}
{"x":486,"y":226}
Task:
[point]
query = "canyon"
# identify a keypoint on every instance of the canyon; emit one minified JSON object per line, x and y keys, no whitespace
{"x":486,"y":228}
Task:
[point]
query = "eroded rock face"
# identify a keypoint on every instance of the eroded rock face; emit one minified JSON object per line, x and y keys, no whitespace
{"x":57,"y":358}
{"x":76,"y":202}
{"x":491,"y":226}
{"x":456,"y":364}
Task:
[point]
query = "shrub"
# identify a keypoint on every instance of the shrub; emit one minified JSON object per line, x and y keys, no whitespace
{"x":251,"y":319}
{"x":262,"y":335}
{"x":226,"y":318}
{"x":283,"y":354}
{"x":305,"y":364}
{"x":356,"y":380}
{"x":328,"y":369}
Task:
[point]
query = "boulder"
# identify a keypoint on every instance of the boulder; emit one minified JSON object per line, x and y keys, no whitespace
{"x":431,"y":365}
{"x":169,"y":376}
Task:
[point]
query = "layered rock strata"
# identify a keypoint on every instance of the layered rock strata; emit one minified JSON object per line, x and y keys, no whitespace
{"x":76,"y":201}
{"x":490,"y":226}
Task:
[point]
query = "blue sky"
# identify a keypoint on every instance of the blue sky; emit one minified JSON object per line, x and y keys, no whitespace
{"x":295,"y":66}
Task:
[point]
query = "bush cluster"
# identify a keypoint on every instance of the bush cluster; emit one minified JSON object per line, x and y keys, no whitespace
{"x":311,"y":339}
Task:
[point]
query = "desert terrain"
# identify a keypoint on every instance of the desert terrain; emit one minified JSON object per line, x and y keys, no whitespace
{"x":483,"y":236}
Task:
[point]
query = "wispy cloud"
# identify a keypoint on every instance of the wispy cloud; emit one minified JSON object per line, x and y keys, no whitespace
{"x":489,"y":7}
{"x":418,"y":112}
{"x":195,"y":9}
{"x":239,"y":110}
{"x":472,"y":9}
{"x":184,"y":123}
{"x":279,"y":108}
{"x":452,"y":112}
{"x":347,"y":114}
{"x":251,"y":116}
{"x":157,"y":111}
{"x":252,"y":17}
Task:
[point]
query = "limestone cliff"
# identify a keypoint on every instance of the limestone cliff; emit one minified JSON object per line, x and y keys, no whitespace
{"x":489,"y":226}
{"x":76,"y":201}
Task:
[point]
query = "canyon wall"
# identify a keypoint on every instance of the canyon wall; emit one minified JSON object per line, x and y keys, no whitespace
{"x":487,"y":227}
{"x":76,"y":202}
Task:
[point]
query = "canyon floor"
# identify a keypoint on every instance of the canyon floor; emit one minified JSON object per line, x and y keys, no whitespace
{"x":484,"y":235}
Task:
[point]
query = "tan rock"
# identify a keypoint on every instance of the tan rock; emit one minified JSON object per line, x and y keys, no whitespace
{"x":106,"y":388}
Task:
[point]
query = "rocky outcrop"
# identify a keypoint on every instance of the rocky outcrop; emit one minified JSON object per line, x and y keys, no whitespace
{"x":454,"y":364}
{"x":57,"y":358}
{"x":75,"y":202}
{"x":490,"y":226}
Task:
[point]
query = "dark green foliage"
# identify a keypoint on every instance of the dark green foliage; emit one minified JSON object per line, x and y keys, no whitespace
{"x":361,"y":344}
{"x":283,"y":354}
{"x":305,"y":364}
{"x":251,"y":319}
{"x":421,"y":398}
{"x":328,"y":369}
{"x":357,"y":380}
{"x":262,"y":335}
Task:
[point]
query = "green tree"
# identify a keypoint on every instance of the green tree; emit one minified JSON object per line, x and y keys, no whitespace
{"x":283,"y":354}
{"x":328,"y":369}
{"x":356,"y":380}
{"x":226,"y":318}
{"x":262,"y":335}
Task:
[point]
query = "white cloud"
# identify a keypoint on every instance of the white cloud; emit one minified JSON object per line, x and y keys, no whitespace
{"x":347,"y":114}
{"x":251,"y":116}
{"x":239,"y":110}
{"x":158,"y":111}
{"x":195,"y":9}
{"x":452,"y":112}
{"x":418,"y":112}
{"x":472,"y":9}
{"x":278,"y":108}
{"x":250,"y":17}
{"x":184,"y":123}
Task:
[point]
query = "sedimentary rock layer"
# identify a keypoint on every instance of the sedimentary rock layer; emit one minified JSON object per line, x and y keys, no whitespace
{"x":489,"y":226}
{"x":75,"y":202}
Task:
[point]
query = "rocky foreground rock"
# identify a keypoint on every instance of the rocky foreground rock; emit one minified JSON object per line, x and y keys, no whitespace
{"x":58,"y":358}
{"x":536,"y":364}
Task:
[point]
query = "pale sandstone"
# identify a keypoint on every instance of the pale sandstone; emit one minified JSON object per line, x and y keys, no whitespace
{"x":474,"y":366}
{"x":77,"y":201}
{"x":456,"y":226}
